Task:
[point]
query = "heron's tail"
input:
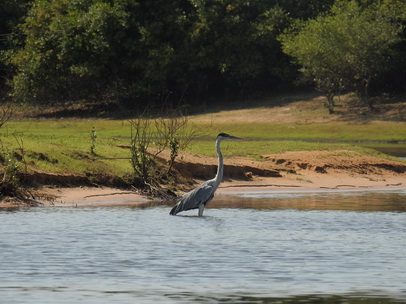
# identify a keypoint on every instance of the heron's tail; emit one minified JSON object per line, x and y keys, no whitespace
{"x":175,"y":209}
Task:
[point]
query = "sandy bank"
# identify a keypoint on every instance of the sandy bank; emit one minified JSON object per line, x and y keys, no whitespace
{"x":105,"y":196}
{"x":290,"y":171}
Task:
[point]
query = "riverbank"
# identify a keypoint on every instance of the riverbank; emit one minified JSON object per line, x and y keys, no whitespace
{"x":106,"y":196}
{"x":289,"y":171}
{"x":47,"y":151}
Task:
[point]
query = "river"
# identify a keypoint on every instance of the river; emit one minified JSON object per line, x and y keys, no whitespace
{"x":307,"y":247}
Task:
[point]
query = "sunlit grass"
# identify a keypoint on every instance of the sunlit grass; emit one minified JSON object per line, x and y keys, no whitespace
{"x":333,"y":131}
{"x":256,"y":148}
{"x":66,"y":142}
{"x":66,"y":146}
{"x":342,"y":131}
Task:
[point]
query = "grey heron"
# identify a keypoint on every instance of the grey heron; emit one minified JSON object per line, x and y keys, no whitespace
{"x":198,"y":198}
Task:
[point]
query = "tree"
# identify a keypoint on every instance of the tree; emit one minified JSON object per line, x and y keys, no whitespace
{"x":236,"y":39}
{"x":11,"y":11}
{"x":347,"y":47}
{"x":68,"y":47}
{"x":129,"y":48}
{"x":87,"y":48}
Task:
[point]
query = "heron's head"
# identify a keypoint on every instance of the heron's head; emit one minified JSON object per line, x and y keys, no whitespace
{"x":222,"y":136}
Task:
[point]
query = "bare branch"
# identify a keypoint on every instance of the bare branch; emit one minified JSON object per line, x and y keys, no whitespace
{"x":5,"y":114}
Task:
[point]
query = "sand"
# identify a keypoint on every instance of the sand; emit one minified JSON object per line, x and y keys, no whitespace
{"x":287,"y":172}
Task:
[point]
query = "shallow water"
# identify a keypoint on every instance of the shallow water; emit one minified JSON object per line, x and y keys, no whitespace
{"x":319,"y":247}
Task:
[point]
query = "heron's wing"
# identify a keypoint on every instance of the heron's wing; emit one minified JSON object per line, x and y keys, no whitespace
{"x":191,"y":200}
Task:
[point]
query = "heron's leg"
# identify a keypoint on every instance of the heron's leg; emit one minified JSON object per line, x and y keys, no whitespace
{"x":201,"y":208}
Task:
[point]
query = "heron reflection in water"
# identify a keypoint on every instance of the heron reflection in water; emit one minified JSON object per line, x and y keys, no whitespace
{"x":198,"y":198}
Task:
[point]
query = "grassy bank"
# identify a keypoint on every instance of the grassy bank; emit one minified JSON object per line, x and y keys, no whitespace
{"x":64,"y":145}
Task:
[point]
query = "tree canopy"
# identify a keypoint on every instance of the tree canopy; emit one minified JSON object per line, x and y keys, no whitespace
{"x":132,"y":50}
{"x":348,"y":46}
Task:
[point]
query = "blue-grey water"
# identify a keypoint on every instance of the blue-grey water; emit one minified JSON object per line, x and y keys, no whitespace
{"x":340,"y":247}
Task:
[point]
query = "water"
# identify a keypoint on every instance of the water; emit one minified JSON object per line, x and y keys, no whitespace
{"x":261,"y":248}
{"x":398,"y":150}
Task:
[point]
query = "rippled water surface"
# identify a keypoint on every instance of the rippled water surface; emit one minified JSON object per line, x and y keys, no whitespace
{"x":258,"y":248}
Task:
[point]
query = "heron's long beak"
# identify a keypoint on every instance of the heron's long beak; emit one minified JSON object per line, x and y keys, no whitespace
{"x":239,"y":138}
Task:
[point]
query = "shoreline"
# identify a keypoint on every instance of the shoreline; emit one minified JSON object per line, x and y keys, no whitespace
{"x":108,"y":196}
{"x":287,"y":172}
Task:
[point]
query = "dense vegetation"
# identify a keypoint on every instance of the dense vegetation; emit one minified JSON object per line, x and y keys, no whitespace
{"x":349,"y":47}
{"x":138,"y":50}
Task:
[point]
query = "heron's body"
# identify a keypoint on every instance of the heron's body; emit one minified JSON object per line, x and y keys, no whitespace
{"x":202,"y":195}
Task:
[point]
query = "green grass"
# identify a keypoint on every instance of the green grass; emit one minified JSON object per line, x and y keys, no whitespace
{"x":63,"y":145}
{"x":256,"y":148}
{"x":66,"y":145}
{"x":334,"y":131}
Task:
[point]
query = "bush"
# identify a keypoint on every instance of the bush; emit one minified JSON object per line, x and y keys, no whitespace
{"x":152,"y":136}
{"x":347,"y":47}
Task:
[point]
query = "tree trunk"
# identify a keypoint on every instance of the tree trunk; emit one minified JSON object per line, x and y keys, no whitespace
{"x":366,"y":98}
{"x":330,"y":105}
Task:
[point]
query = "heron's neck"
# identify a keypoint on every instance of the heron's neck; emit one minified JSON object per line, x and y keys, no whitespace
{"x":220,"y":169}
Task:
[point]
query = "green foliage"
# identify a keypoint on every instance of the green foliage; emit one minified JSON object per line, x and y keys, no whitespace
{"x":128,"y":48}
{"x":93,"y":137}
{"x":347,"y":47}
{"x":133,"y":50}
{"x":143,"y":163}
{"x":10,"y":182}
{"x":67,"y":44}
{"x":174,"y":146}
{"x":235,"y":37}
{"x":11,"y":13}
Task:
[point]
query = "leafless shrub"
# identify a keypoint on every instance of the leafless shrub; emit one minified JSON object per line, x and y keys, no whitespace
{"x":151,"y":136}
{"x":175,"y":133}
{"x":5,"y":113}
